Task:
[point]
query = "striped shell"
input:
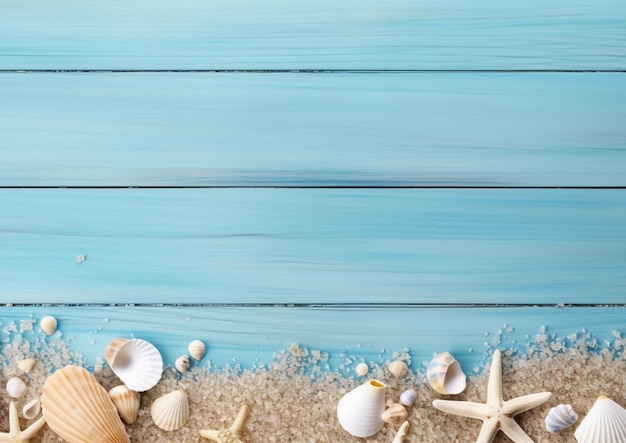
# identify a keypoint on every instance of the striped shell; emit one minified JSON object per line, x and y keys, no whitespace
{"x":197,"y":349}
{"x":408,"y":397}
{"x":560,"y":417}
{"x":445,"y":375}
{"x":171,"y":411}
{"x":126,"y":402}
{"x":48,"y":324}
{"x":605,"y":423}
{"x":398,"y":368}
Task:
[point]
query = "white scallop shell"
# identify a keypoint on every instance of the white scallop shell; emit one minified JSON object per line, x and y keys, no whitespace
{"x":16,"y":387}
{"x":26,"y":365}
{"x":560,"y":417}
{"x":182,"y":363}
{"x":171,"y":411}
{"x":408,"y":397}
{"x":398,"y":368}
{"x":126,"y":402}
{"x":136,"y":362}
{"x":362,"y":369}
{"x":360,"y":410}
{"x":48,"y":324}
{"x":604,"y":423}
{"x":31,"y":409}
{"x":395,"y":415}
{"x":445,"y":375}
{"x":79,"y":410}
{"x":197,"y":349}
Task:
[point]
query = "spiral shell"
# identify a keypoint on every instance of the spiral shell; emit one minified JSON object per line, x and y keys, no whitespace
{"x":197,"y":349}
{"x":31,"y":409}
{"x":171,"y":411}
{"x":182,"y":363}
{"x":445,"y":375}
{"x":604,"y":423}
{"x":560,"y":417}
{"x":126,"y":402}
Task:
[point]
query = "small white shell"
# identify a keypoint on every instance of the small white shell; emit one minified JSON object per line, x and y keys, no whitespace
{"x":136,"y":362}
{"x":398,"y":368}
{"x":48,"y":324}
{"x":31,"y":409}
{"x":560,"y":417}
{"x":604,"y":423}
{"x":16,"y":387}
{"x":126,"y":402}
{"x":197,"y":349}
{"x":26,"y":365}
{"x":360,"y":410}
{"x":182,"y":363}
{"x":395,"y":415}
{"x":362,"y":369}
{"x":408,"y":397}
{"x":171,"y":411}
{"x":445,"y":375}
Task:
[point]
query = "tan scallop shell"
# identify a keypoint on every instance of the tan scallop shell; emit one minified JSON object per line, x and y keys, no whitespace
{"x":79,"y":410}
{"x":395,"y":415}
{"x":126,"y":401}
{"x":197,"y":349}
{"x":171,"y":411}
{"x":48,"y":324}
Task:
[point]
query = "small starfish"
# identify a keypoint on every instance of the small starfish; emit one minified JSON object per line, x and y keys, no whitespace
{"x":15,"y":434}
{"x":233,"y":433}
{"x":399,"y":438}
{"x":496,"y":414}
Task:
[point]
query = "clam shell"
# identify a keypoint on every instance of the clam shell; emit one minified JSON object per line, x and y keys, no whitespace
{"x":31,"y":409}
{"x":16,"y":387}
{"x":26,"y":365}
{"x":171,"y":411}
{"x":360,"y":410}
{"x":398,"y":368}
{"x":362,"y":369}
{"x":604,"y":423}
{"x":126,"y":402}
{"x":560,"y":417}
{"x":136,"y":362}
{"x":48,"y":324}
{"x":395,"y":415}
{"x":182,"y":363}
{"x":78,"y":409}
{"x":197,"y":349}
{"x":408,"y":397}
{"x":445,"y":375}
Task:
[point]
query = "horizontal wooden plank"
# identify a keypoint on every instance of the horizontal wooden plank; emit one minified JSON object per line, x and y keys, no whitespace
{"x":312,"y":246}
{"x":312,"y":130}
{"x":282,"y":34}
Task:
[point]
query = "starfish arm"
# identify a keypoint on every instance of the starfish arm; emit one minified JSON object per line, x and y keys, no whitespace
{"x":399,"y":437}
{"x":33,"y":429}
{"x":512,"y":430}
{"x":489,"y":430}
{"x":240,"y":421}
{"x":464,"y":408}
{"x":521,"y":404}
{"x":210,"y":434}
{"x":494,"y":387}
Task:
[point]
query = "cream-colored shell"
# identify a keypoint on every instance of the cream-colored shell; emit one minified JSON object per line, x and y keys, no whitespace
{"x":604,"y":423}
{"x":138,"y":363}
{"x":171,"y":411}
{"x":362,"y":369}
{"x":560,"y":417}
{"x":360,"y":410}
{"x":126,"y":402}
{"x":398,"y":368}
{"x":16,"y":387}
{"x":395,"y":415}
{"x":48,"y":324}
{"x":197,"y":349}
{"x":445,"y":375}
{"x":182,"y":363}
{"x":79,"y":410}
{"x":26,"y":365}
{"x":31,"y":409}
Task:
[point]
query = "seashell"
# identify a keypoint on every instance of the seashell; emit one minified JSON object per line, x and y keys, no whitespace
{"x":16,"y":387}
{"x":362,"y":369}
{"x":445,"y":375}
{"x":78,"y":409}
{"x":398,"y":368}
{"x":26,"y":365}
{"x":197,"y":349}
{"x":48,"y":324}
{"x":182,"y":363}
{"x":395,"y":415}
{"x":136,"y":362}
{"x":5,"y":424}
{"x":126,"y":402}
{"x":360,"y":410}
{"x":171,"y":411}
{"x":408,"y":397}
{"x":604,"y":423}
{"x":560,"y":417}
{"x":31,"y":409}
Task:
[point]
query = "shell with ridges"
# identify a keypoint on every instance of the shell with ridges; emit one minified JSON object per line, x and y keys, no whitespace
{"x":79,"y":410}
{"x":604,"y":423}
{"x":171,"y":411}
{"x":26,"y":365}
{"x":398,"y":368}
{"x":445,"y":375}
{"x":360,"y":410}
{"x":16,"y":387}
{"x":126,"y":402}
{"x":560,"y":417}
{"x":48,"y":324}
{"x":136,"y":362}
{"x":182,"y":363}
{"x":31,"y":409}
{"x":408,"y":397}
{"x":395,"y":415}
{"x":197,"y":349}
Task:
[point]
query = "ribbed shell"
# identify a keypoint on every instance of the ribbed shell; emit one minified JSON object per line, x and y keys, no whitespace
{"x":395,"y":415}
{"x":398,"y":368}
{"x":360,"y":410}
{"x":605,"y":423}
{"x":126,"y":402}
{"x":560,"y":417}
{"x":78,"y":409}
{"x":171,"y":411}
{"x":138,"y":363}
{"x":197,"y":349}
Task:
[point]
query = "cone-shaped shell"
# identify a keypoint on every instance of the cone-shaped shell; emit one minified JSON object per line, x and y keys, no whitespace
{"x":171,"y":411}
{"x":395,"y":415}
{"x":604,"y":423}
{"x":126,"y":402}
{"x":360,"y":410}
{"x":136,"y":362}
{"x":197,"y":349}
{"x":560,"y":417}
{"x":78,"y":409}
{"x":445,"y":375}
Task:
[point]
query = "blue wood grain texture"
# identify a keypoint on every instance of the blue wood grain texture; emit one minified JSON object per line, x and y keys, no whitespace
{"x":313,"y":246}
{"x":322,"y":34}
{"x":313,"y":129}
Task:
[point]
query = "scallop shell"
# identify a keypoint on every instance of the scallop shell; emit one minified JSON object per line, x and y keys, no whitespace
{"x":31,"y":409}
{"x":171,"y":411}
{"x":16,"y":387}
{"x":78,"y":409}
{"x":362,"y":369}
{"x":182,"y":363}
{"x":398,"y":368}
{"x":197,"y":349}
{"x":136,"y":362}
{"x":126,"y":402}
{"x":360,"y":410}
{"x":445,"y":375}
{"x":408,"y":397}
{"x":26,"y":365}
{"x":560,"y":417}
{"x":604,"y":423}
{"x":48,"y":324}
{"x":395,"y":415}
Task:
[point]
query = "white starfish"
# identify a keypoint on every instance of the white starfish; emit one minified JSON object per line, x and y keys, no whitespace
{"x":399,"y":437}
{"x":230,"y":435}
{"x":15,"y":434}
{"x":496,"y":414}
